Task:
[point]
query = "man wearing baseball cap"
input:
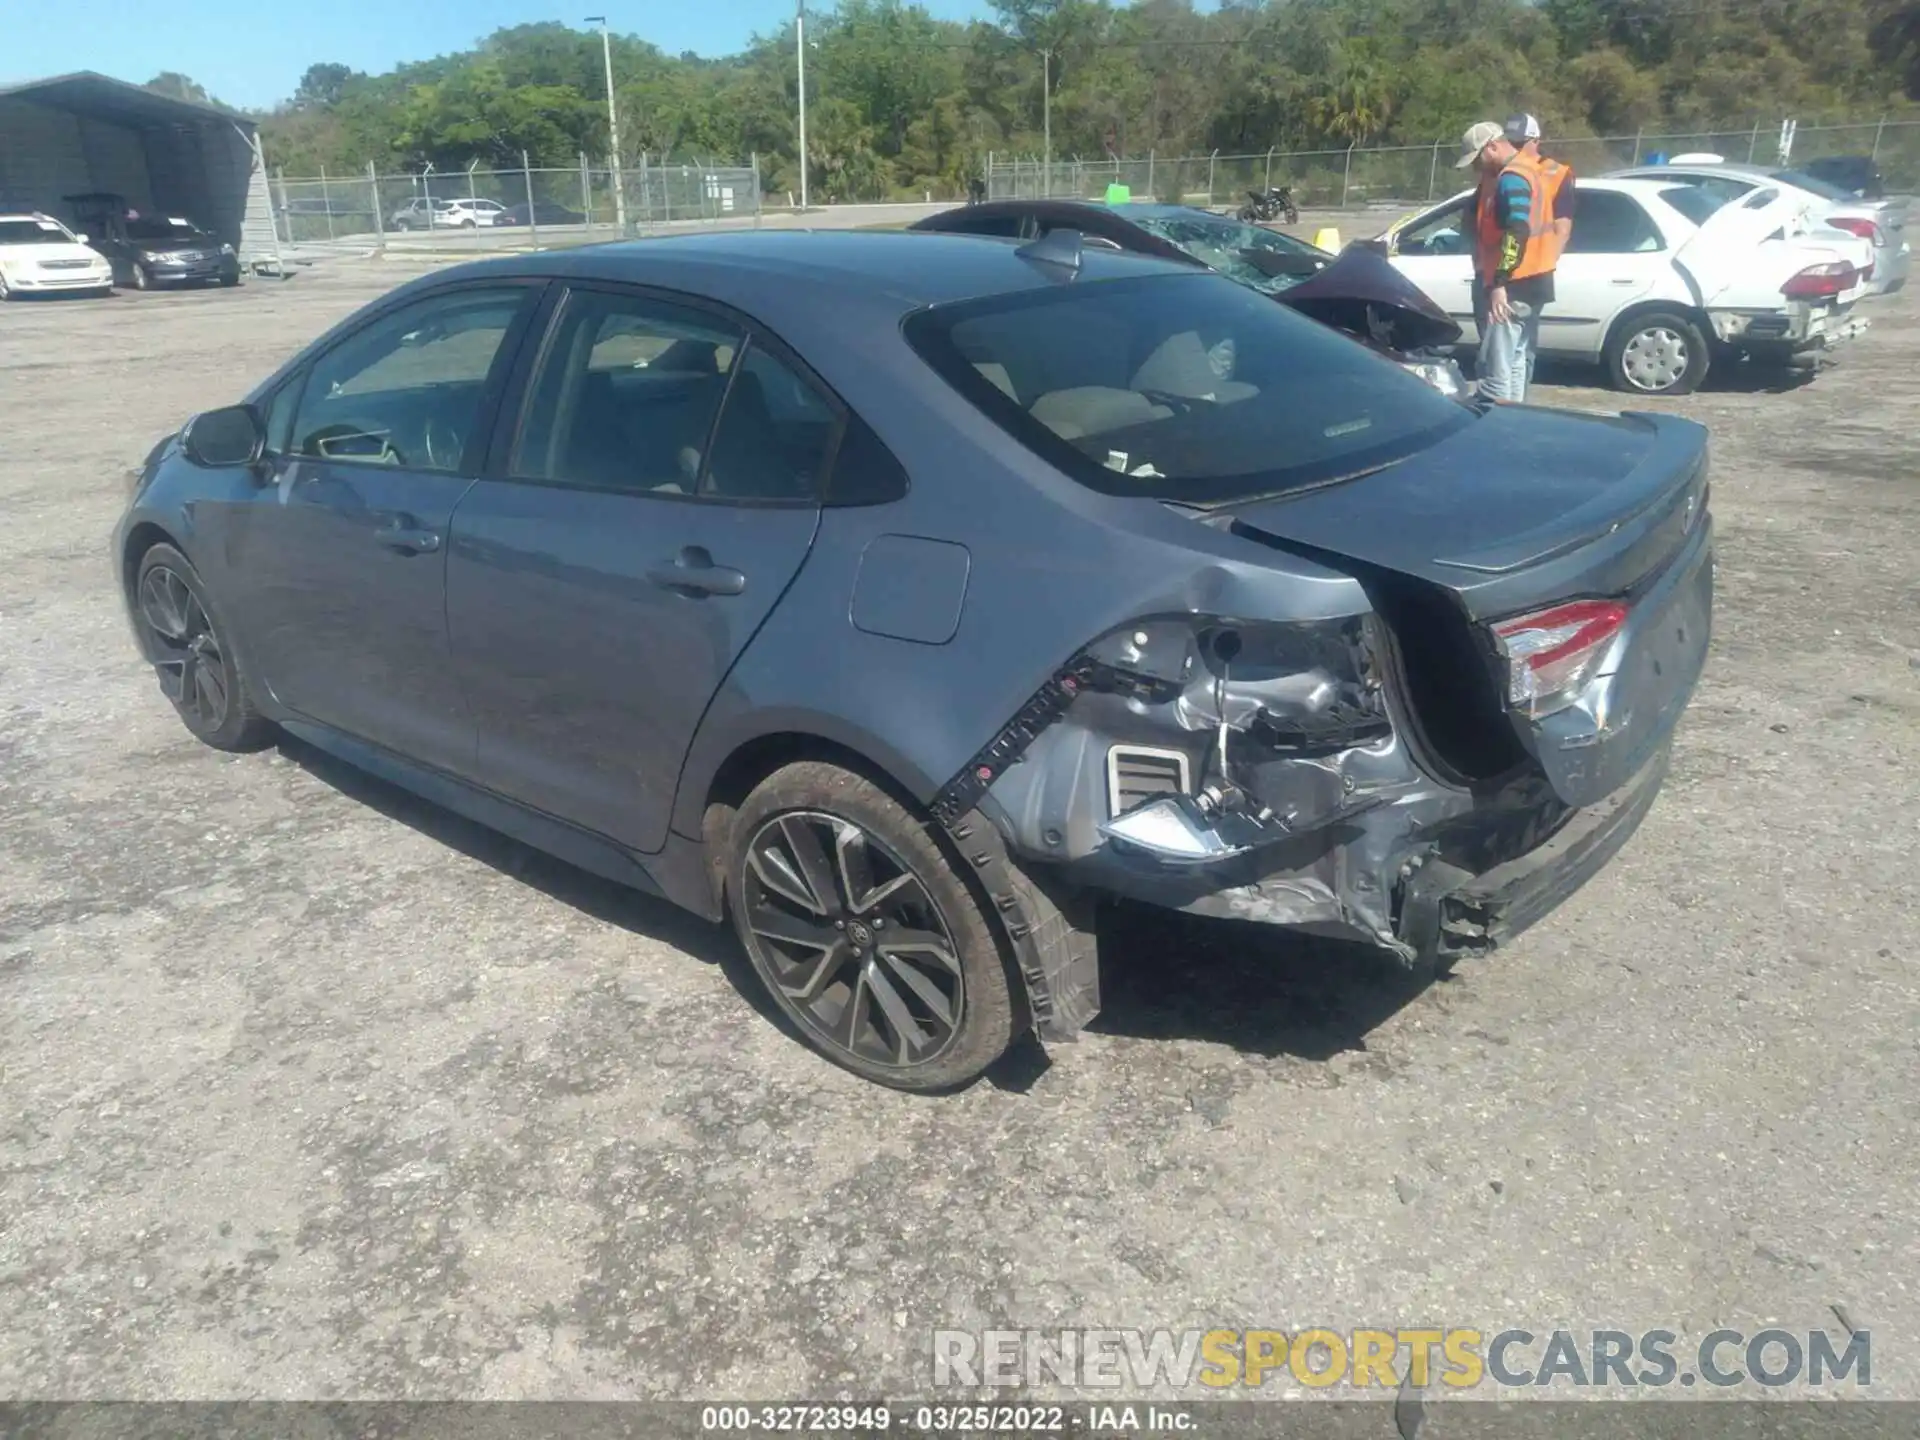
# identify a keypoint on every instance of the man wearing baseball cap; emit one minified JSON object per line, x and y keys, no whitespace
{"x":1515,"y":247}
{"x":1523,"y":133}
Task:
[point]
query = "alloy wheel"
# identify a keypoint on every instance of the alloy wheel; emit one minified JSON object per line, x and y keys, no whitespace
{"x":1655,"y":359}
{"x":183,"y":648}
{"x":852,"y":939}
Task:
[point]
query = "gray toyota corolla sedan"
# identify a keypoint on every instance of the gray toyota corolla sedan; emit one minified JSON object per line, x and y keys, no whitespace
{"x":902,"y":595}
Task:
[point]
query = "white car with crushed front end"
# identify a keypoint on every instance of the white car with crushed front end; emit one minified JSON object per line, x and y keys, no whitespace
{"x":1662,"y":281}
{"x":40,"y":256}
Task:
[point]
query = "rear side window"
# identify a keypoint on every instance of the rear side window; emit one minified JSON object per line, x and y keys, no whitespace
{"x":1180,"y":387}
{"x":626,"y":395}
{"x":1610,"y":223}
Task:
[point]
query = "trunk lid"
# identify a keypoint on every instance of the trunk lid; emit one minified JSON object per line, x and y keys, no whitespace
{"x":1522,"y":511}
{"x":1722,"y":253}
{"x":1521,"y":508}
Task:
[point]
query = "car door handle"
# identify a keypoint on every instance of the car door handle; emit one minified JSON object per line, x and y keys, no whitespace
{"x":693,"y":572}
{"x":1628,"y":280}
{"x":408,"y":540}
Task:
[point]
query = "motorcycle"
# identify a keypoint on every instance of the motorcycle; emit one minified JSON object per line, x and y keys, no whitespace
{"x":1275,"y":204}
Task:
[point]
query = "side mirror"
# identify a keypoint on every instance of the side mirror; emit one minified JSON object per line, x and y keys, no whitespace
{"x":224,"y":438}
{"x":83,"y":237}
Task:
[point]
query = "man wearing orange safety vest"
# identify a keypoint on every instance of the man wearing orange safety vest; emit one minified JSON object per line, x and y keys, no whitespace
{"x":1523,"y":133}
{"x":1516,"y":245}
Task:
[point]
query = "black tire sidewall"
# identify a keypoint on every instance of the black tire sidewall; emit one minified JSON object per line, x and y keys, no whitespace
{"x":988,"y":1019}
{"x":241,"y":728}
{"x":1699,"y":353}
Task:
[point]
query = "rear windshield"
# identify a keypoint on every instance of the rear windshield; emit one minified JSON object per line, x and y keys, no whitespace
{"x":1824,"y":189}
{"x":1181,"y":387}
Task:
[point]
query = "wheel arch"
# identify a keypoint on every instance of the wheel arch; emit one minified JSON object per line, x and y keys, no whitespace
{"x":1639,"y":308}
{"x":141,"y":538}
{"x":711,"y":790}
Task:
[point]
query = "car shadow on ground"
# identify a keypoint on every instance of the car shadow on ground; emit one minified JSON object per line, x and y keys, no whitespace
{"x":1261,"y":989}
{"x":604,"y":900}
{"x":1164,"y":976}
{"x":1725,"y":378}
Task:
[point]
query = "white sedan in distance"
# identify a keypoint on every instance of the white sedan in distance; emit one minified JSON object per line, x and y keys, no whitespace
{"x":1661,"y":281}
{"x":40,"y":256}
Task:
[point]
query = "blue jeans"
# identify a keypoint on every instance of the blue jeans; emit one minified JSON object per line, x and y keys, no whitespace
{"x":1506,"y":353}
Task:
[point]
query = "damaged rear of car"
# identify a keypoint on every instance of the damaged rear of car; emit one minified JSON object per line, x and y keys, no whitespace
{"x":1425,"y":746}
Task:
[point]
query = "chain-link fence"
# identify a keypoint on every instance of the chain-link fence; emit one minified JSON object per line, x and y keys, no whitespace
{"x":1416,"y":174}
{"x":509,"y":209}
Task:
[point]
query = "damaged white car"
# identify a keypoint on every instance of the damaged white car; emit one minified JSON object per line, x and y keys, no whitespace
{"x":1662,"y":281}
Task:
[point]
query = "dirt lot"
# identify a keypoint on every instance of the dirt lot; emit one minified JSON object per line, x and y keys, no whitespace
{"x":307,"y":1089}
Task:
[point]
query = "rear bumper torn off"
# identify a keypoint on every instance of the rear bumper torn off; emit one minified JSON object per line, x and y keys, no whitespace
{"x":1489,"y":909}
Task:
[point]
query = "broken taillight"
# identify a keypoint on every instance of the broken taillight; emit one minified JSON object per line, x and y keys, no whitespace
{"x":1552,"y":653}
{"x":1821,"y":282}
{"x":1857,"y":225}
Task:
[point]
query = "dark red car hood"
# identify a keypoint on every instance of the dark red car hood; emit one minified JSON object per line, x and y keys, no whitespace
{"x":1362,"y":294}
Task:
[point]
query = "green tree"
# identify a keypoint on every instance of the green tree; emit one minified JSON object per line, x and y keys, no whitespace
{"x":180,"y":87}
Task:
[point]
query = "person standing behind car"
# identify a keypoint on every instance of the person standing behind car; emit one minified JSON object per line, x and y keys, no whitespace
{"x":1523,"y":133}
{"x":1513,"y":257}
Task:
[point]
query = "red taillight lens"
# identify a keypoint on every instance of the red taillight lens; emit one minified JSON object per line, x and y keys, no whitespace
{"x":1821,"y":282}
{"x":1858,"y":225}
{"x":1552,"y":653}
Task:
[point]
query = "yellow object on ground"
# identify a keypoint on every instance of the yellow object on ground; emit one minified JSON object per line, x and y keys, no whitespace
{"x":1327,"y":239}
{"x":1119,"y":194}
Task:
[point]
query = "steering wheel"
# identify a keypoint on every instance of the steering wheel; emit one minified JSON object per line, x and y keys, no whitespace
{"x":442,"y":445}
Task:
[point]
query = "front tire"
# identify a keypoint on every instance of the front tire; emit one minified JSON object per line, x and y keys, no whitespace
{"x":864,"y":931}
{"x":192,"y":654}
{"x":141,"y":280}
{"x":1660,"y":352}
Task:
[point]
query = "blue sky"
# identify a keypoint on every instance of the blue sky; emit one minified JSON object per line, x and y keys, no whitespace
{"x":253,"y":52}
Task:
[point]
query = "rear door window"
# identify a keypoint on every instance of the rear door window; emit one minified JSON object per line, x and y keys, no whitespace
{"x":1180,"y":387}
{"x":1610,"y":223}
{"x":626,"y":395}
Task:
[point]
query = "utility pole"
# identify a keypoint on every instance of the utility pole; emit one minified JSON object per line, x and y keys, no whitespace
{"x":800,"y":58}
{"x":613,"y":128}
{"x":1046,"y":119}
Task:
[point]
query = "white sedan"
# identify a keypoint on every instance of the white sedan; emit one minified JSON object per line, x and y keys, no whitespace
{"x":40,"y":256}
{"x":1883,"y":222}
{"x":1660,"y":280}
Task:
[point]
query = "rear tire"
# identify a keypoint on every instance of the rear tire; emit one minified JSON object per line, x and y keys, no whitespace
{"x":1657,"y":352}
{"x":191,"y":651}
{"x":864,"y":932}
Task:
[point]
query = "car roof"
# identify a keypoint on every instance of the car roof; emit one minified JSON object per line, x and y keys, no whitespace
{"x":790,"y":272}
{"x":1704,"y":167}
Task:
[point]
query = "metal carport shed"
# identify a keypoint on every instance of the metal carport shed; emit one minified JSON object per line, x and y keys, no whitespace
{"x":82,"y":133}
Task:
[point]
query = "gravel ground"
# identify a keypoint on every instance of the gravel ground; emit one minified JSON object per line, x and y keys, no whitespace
{"x":310,"y":1090}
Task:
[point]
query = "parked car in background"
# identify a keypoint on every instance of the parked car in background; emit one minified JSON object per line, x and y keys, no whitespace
{"x":151,"y":251}
{"x":1882,"y":223}
{"x":1858,"y":175}
{"x":1661,"y":281}
{"x":422,"y":213}
{"x":1397,"y":320}
{"x":899,"y":596}
{"x":40,"y":256}
{"x":541,"y":212}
